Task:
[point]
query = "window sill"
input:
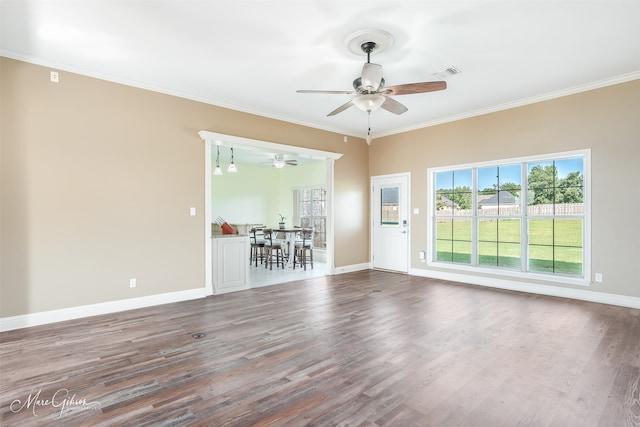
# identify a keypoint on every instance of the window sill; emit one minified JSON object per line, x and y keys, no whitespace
{"x":538,"y":277}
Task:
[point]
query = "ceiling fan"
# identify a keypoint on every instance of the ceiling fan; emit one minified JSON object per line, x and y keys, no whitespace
{"x":371,"y":91}
{"x":280,"y":162}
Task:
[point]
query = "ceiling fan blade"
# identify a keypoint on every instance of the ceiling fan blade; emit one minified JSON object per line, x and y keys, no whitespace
{"x":341,"y":108}
{"x":393,"y":106}
{"x":410,"y":88}
{"x":326,"y":91}
{"x":371,"y":77}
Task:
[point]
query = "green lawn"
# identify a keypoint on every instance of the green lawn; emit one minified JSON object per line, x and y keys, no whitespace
{"x":554,"y":245}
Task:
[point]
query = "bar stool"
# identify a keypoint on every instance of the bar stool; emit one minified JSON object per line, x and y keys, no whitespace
{"x":269,"y":247}
{"x":256,"y":239}
{"x":304,"y":247}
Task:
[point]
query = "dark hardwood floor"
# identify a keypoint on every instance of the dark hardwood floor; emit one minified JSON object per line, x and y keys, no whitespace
{"x":361,"y":349}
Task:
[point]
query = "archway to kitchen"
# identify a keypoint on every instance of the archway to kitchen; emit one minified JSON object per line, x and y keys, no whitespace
{"x":256,"y":155}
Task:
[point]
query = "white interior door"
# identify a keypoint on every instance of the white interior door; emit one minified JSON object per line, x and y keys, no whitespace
{"x":390,"y":226}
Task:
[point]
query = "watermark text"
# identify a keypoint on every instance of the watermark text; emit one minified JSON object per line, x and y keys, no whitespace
{"x":61,"y":399}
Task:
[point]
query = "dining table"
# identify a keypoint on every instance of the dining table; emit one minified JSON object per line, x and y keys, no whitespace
{"x":291,"y":234}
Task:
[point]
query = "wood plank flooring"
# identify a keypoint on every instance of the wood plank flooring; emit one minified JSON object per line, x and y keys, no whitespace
{"x":361,"y":349}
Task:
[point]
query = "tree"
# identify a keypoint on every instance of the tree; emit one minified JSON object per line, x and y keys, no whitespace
{"x":542,"y":181}
{"x":570,"y":189}
{"x":461,"y":197}
{"x":547,"y":188}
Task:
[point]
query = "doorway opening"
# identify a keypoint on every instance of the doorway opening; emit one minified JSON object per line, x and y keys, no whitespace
{"x":255,"y":149}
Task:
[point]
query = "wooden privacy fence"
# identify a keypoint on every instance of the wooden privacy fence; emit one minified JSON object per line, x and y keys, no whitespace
{"x":514,"y":210}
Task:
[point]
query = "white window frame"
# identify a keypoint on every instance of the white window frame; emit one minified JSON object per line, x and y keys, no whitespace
{"x":586,"y":242}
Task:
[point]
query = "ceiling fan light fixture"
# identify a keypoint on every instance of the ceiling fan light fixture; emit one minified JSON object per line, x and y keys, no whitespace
{"x":278,"y":161}
{"x":369,"y":102}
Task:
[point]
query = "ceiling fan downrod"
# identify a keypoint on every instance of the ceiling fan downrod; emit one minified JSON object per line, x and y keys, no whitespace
{"x":368,"y":47}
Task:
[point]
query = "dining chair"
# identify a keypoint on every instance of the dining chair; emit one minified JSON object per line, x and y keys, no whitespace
{"x":302,"y":248}
{"x":256,"y":240}
{"x":271,"y":245}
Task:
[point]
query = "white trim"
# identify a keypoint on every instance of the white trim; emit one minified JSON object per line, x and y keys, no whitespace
{"x":208,"y":245}
{"x":167,"y":91}
{"x":232,"y":140}
{"x":330,"y":231}
{"x":353,"y":268}
{"x":610,"y":81}
{"x":45,"y":317}
{"x":635,"y":75}
{"x":513,"y":274}
{"x":513,"y":160}
{"x":585,"y":280}
{"x":491,"y":282}
{"x":213,"y":138}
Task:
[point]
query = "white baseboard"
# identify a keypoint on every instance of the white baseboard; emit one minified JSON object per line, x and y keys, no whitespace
{"x":578,"y":294}
{"x":45,"y":317}
{"x":352,"y":268}
{"x":41,"y":318}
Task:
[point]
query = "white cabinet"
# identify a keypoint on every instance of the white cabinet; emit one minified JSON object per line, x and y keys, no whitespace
{"x":230,"y":261}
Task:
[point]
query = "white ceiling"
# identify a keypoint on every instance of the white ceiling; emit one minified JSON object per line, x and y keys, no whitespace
{"x":253,"y":55}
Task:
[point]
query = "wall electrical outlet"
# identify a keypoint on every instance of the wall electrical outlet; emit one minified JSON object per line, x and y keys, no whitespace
{"x":132,"y":283}
{"x":54,"y":77}
{"x":598,"y":277}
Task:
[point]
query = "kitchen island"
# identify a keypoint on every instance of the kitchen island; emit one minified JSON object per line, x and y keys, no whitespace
{"x":230,"y":261}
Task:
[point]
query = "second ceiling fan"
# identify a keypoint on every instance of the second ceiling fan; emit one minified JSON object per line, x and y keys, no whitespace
{"x":371,"y":91}
{"x":279,"y":161}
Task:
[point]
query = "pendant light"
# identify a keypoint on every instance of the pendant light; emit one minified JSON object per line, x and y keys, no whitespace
{"x":232,"y":166}
{"x":217,"y":170}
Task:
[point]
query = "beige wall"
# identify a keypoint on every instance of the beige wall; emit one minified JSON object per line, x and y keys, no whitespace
{"x":606,"y":120}
{"x":97,"y":180}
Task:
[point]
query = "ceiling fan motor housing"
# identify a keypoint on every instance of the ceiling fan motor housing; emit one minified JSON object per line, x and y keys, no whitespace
{"x":357,"y":85}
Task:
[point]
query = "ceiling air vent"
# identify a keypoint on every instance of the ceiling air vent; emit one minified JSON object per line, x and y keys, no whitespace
{"x":447,"y":72}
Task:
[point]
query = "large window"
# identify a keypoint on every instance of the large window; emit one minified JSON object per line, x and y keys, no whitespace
{"x":310,"y":210}
{"x":522,"y":215}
